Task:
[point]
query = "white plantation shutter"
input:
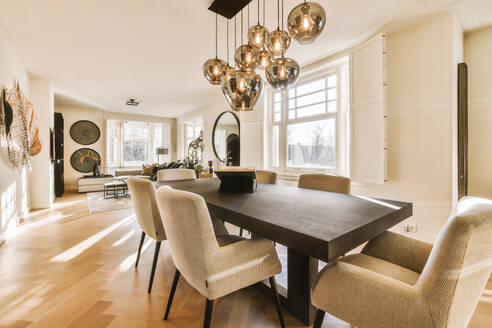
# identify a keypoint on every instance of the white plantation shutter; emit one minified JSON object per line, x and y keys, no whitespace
{"x":368,"y":107}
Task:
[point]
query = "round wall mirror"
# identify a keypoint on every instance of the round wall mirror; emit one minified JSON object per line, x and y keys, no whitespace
{"x":225,"y":138}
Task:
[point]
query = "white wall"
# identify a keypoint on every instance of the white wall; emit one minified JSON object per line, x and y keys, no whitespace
{"x":72,"y":114}
{"x":41,"y":186}
{"x":478,"y":56}
{"x":421,"y":107}
{"x":14,"y":195}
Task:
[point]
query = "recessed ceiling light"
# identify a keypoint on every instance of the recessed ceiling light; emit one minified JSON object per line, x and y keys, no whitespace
{"x":132,"y":102}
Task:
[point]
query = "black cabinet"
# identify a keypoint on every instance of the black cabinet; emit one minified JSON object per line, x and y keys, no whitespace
{"x":58,"y":162}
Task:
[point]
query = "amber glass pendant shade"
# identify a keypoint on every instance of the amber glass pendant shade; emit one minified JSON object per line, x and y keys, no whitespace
{"x":242,"y":89}
{"x":265,"y":58}
{"x":282,"y":73}
{"x":213,"y":70}
{"x":246,"y":56}
{"x":278,"y":42}
{"x":306,"y":22}
{"x":257,"y":36}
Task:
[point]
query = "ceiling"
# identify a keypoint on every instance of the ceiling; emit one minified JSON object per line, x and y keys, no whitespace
{"x":99,"y":53}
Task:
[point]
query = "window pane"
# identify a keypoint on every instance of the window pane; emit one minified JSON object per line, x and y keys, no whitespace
{"x":276,"y":146}
{"x":292,"y":114}
{"x":189,"y":131}
{"x":311,"y":144}
{"x":135,"y":151}
{"x":311,"y":87}
{"x":276,"y":107}
{"x":292,"y":92}
{"x":332,"y":106}
{"x":311,"y":99}
{"x":332,"y":94}
{"x":311,"y":110}
{"x":276,"y":96}
{"x":332,"y":81}
{"x":292,"y":103}
{"x":276,"y":117}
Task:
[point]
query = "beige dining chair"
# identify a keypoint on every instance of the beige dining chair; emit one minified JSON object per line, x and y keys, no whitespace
{"x":214,"y":266}
{"x":266,"y":177}
{"x":142,"y":192}
{"x":400,"y":282}
{"x":175,"y":174}
{"x":325,"y":182}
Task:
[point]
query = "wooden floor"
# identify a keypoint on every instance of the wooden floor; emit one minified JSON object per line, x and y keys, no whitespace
{"x":67,"y":267}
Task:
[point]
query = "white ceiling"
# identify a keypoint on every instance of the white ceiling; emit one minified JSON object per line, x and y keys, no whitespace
{"x":100,"y":53}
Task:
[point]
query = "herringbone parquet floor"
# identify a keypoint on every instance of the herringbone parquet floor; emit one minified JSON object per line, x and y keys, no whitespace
{"x":66,"y":267}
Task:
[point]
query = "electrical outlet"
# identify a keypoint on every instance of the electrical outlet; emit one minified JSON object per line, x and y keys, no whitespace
{"x":410,"y":228}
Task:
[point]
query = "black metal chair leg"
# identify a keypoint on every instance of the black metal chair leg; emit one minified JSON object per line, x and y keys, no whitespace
{"x":208,"y":313}
{"x":171,"y":293}
{"x":240,"y":232}
{"x":318,"y":320}
{"x":140,"y":248}
{"x":273,"y":286}
{"x":154,"y":265}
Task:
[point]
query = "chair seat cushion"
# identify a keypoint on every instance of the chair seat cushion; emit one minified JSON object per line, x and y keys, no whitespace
{"x":382,"y":267}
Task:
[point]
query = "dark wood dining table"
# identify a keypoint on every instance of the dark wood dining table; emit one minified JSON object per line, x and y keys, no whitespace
{"x":313,"y":225}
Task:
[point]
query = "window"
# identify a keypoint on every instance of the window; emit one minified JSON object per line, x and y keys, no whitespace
{"x":305,"y":123}
{"x":192,"y":131}
{"x":133,"y":143}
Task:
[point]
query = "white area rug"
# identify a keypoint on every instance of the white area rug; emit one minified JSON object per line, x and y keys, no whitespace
{"x":97,"y":203}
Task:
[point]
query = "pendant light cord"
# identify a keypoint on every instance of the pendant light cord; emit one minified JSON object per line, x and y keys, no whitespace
{"x":258,"y":12}
{"x":263,"y":12}
{"x":282,"y":14}
{"x":278,"y":14}
{"x":216,"y":43}
{"x":235,"y":38}
{"x":242,"y":26}
{"x":227,"y":22}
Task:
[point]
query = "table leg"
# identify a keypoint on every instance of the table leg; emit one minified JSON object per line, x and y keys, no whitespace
{"x":301,"y":271}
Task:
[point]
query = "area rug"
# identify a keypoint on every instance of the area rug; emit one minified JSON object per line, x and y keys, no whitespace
{"x":97,"y":203}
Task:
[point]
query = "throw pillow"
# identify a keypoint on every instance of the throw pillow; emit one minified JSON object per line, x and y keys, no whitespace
{"x":147,"y":169}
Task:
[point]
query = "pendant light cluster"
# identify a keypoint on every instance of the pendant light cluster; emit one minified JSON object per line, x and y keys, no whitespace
{"x":265,"y":50}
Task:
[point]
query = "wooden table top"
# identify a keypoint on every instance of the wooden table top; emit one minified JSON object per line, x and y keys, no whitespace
{"x":320,"y":224}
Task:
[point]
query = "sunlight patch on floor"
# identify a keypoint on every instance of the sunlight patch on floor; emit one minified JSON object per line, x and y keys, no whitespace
{"x":78,"y":249}
{"x":124,"y":238}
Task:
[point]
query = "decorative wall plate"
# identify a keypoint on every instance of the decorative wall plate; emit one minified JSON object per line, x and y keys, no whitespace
{"x":85,"y":132}
{"x":84,"y":159}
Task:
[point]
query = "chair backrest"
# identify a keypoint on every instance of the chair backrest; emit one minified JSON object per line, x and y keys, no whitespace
{"x":175,"y":174}
{"x":189,"y":232}
{"x":325,"y":182}
{"x":267,"y":177}
{"x":142,"y":192}
{"x":459,"y":265}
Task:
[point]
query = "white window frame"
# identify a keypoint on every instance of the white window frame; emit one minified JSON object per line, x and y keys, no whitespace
{"x":197,"y":127}
{"x":284,"y":122}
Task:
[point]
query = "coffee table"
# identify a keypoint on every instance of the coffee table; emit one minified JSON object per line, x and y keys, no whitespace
{"x":115,"y":189}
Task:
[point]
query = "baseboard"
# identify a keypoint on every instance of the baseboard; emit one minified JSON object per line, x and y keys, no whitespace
{"x":40,"y":206}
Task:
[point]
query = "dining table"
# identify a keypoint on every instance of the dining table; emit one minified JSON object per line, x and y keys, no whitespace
{"x":313,"y":225}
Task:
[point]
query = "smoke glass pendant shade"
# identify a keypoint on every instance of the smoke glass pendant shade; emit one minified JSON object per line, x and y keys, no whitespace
{"x":227,"y":71}
{"x":242,"y":89}
{"x":246,"y":56}
{"x":213,"y":70}
{"x":257,"y":36}
{"x":306,"y":22}
{"x":265,"y":58}
{"x":278,"y":42}
{"x":282,"y":73}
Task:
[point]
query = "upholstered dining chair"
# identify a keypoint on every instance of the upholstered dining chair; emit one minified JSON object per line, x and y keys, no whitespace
{"x":267,"y":177}
{"x":175,"y":174}
{"x":142,"y":192}
{"x":400,"y":282}
{"x":325,"y":182}
{"x":214,"y":266}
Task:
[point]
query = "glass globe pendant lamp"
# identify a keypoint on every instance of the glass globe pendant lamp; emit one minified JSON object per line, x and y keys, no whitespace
{"x":265,"y":57}
{"x":213,"y":68}
{"x":257,"y":34}
{"x":246,"y":56}
{"x":306,"y":22}
{"x":278,"y":41}
{"x":242,"y":89}
{"x":282,"y":73}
